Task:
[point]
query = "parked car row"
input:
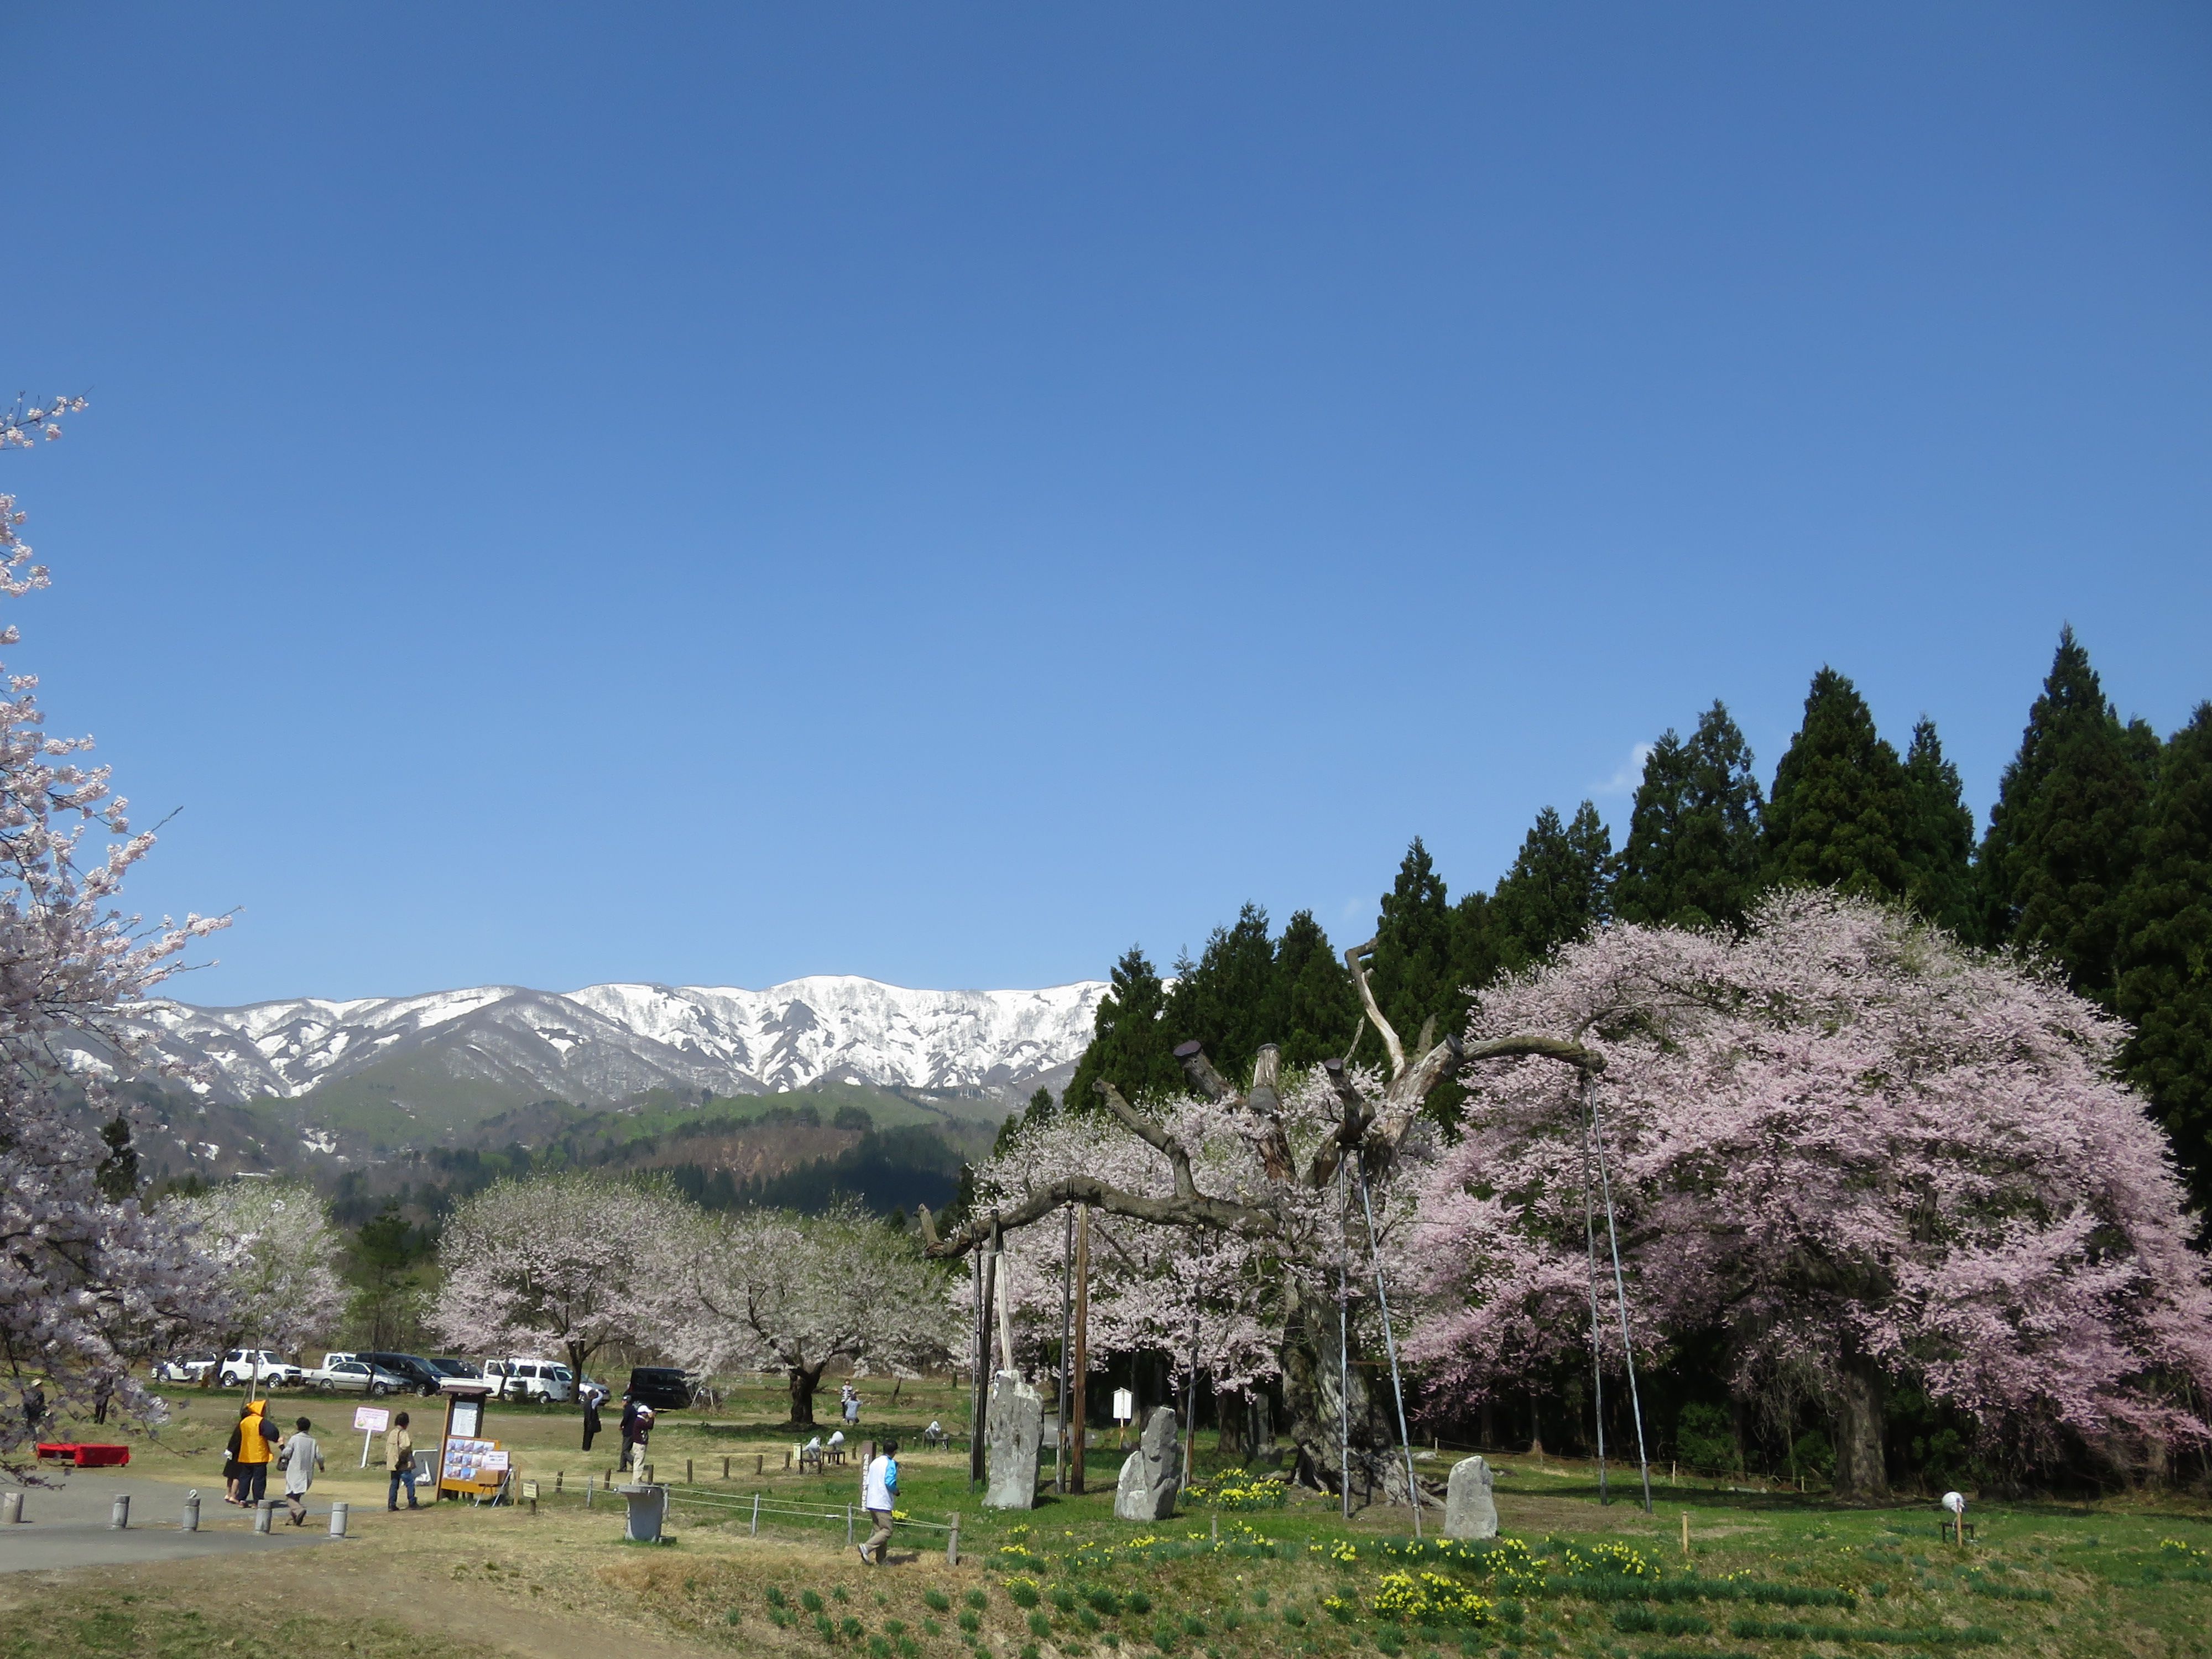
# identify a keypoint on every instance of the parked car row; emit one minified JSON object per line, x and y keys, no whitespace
{"x":664,"y":1387}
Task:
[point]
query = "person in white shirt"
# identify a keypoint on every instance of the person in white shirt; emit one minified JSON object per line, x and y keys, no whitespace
{"x":301,"y":1458}
{"x":879,"y":1496}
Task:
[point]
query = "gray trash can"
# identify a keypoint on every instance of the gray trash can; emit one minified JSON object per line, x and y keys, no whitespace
{"x":648,"y":1508}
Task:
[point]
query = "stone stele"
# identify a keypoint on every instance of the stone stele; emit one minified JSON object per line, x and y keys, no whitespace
{"x":1151,"y":1475}
{"x":1469,"y":1510}
{"x":1015,"y":1417}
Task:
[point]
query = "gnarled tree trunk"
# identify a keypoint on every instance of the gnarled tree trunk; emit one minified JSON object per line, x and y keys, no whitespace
{"x":1855,"y":1409}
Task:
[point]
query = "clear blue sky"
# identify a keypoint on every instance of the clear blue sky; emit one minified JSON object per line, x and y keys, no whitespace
{"x":717,"y":494}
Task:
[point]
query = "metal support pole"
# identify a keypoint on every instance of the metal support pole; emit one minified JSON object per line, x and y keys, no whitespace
{"x":1596,"y":1328}
{"x":987,"y":1277}
{"x":1082,"y":1343}
{"x":1343,"y":1343}
{"x":1620,"y":1287}
{"x":1390,"y":1347}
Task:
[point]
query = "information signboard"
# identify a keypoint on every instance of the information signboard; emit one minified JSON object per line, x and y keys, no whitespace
{"x":371,"y":1419}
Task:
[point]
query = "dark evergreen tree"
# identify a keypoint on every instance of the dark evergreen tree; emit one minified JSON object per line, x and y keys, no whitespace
{"x":1839,"y":806}
{"x":1222,"y":1000}
{"x":1692,"y":856}
{"x":2165,"y":988}
{"x":1560,"y":888}
{"x":117,"y":1177}
{"x":1130,"y":1046}
{"x":1411,"y":975}
{"x":1475,"y":961}
{"x":1312,"y":1010}
{"x":2067,"y":829}
{"x":1938,"y":837}
{"x":1040,"y":1109}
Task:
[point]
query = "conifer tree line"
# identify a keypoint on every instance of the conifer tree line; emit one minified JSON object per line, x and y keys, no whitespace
{"x":2097,"y":861}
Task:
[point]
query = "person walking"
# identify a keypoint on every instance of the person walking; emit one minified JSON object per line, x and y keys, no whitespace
{"x":851,"y":1406}
{"x":399,"y":1458}
{"x":299,"y":1460}
{"x":643,"y":1429}
{"x":254,"y":1452}
{"x":630,"y":1409}
{"x":879,"y":1496}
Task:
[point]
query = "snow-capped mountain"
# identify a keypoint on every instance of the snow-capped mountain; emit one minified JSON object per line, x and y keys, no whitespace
{"x":605,"y":1042}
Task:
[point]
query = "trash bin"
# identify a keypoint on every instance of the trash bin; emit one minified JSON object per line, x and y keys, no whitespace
{"x":648,"y":1508}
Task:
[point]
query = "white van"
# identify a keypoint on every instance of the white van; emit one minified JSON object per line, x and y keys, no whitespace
{"x":531,"y":1379}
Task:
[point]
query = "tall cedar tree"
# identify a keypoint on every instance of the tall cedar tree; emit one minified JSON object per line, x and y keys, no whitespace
{"x":1559,"y":888}
{"x":1130,"y":1046}
{"x":2067,"y":829}
{"x":1412,"y":976}
{"x":1221,"y":1001}
{"x":1312,"y":1010}
{"x":1692,"y":855}
{"x":1938,"y":837}
{"x":2166,"y":952}
{"x":1839,"y":807}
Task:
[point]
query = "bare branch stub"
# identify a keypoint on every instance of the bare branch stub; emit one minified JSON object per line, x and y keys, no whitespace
{"x":1264,"y":1102}
{"x":1200,"y":1070}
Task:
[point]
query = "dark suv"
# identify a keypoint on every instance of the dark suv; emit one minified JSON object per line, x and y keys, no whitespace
{"x":664,"y":1387}
{"x":417,"y":1372}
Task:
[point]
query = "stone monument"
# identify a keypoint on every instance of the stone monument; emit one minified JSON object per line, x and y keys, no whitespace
{"x":1014,"y":1431}
{"x":1469,"y":1510}
{"x":1151,"y":1475}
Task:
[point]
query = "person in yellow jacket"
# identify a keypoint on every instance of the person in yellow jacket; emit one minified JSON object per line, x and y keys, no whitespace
{"x":256,"y":1450}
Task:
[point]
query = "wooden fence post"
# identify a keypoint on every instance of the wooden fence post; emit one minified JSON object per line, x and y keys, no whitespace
{"x":952,"y":1542}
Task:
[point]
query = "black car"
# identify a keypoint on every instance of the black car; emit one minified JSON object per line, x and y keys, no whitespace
{"x":416,"y":1371}
{"x":664,"y":1387}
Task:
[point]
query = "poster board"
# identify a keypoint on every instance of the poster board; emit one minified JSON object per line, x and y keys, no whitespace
{"x":372,"y":1419}
{"x":476,"y":1466}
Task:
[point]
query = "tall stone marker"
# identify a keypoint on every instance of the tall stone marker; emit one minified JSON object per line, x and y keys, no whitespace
{"x":1151,"y":1475}
{"x":1470,"y":1511}
{"x":1014,"y":1429}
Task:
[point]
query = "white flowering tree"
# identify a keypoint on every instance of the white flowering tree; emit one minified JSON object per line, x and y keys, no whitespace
{"x":87,"y":1282}
{"x":571,"y":1261}
{"x":765,"y":1287}
{"x":278,"y":1251}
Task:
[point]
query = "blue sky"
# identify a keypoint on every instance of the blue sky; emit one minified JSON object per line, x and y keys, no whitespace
{"x":717,"y":494}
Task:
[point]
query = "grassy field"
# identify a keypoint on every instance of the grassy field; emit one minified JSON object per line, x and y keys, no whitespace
{"x":1765,"y":1573}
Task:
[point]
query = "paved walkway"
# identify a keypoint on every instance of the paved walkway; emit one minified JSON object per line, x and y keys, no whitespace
{"x":67,"y":1525}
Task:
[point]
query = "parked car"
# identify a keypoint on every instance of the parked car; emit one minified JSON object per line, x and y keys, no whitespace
{"x":418,"y":1372}
{"x":243,"y":1365}
{"x":184,"y":1368}
{"x":531,"y":1379}
{"x":664,"y":1387}
{"x":358,"y":1377}
{"x":451,"y":1372}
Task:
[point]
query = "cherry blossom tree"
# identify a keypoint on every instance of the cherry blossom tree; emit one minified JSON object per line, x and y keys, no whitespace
{"x":87,"y":1282}
{"x":1857,"y":1152}
{"x":757,"y":1288}
{"x":277,"y":1253}
{"x":1260,"y":1166}
{"x":569,"y":1260}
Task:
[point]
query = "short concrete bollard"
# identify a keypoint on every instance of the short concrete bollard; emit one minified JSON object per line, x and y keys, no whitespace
{"x":337,"y":1520}
{"x":11,"y":1506}
{"x":261,"y":1517}
{"x":118,"y":1517}
{"x":191,"y":1521}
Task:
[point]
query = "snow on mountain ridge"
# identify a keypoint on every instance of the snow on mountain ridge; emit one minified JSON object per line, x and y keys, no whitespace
{"x":603,"y":1041}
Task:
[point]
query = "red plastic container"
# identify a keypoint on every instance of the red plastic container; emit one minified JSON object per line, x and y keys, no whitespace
{"x":84,"y":1456}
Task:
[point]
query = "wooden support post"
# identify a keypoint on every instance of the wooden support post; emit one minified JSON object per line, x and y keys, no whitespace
{"x":760,"y":1461}
{"x":687,"y":1473}
{"x":557,"y":1475}
{"x":725,"y":1468}
{"x":1082,"y":1363}
{"x":1686,"y":1532}
{"x":952,"y":1542}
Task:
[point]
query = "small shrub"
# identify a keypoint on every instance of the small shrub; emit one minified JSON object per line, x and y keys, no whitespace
{"x":878,"y":1649}
{"x":969,"y":1623}
{"x":1104,"y":1600}
{"x":1040,"y":1626}
{"x":894,"y":1626}
{"x":1022,"y":1592}
{"x":823,"y":1628}
{"x":1088,"y":1619}
{"x":1231,"y":1620}
{"x":850,"y":1628}
{"x":809,"y":1601}
{"x":935,"y":1601}
{"x":1685,"y":1624}
{"x":775,"y":1597}
{"x":733,"y":1616}
{"x":1064,"y":1599}
{"x":1138,"y":1602}
{"x":931,"y":1627}
{"x":1029,"y":1650}
{"x":977,"y":1600}
{"x":1635,"y":1620}
{"x":837,"y":1594}
{"x":1389,"y":1641}
{"x":1259,"y":1598}
{"x":1163,"y":1637}
{"x":1294,"y":1616}
{"x":1193,"y":1624}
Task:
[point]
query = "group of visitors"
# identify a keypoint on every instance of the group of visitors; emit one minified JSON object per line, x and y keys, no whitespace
{"x":252,"y":1448}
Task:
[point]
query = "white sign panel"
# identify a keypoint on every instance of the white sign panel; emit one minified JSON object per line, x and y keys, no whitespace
{"x":1125,"y":1405}
{"x":371,"y":1419}
{"x":492,"y":1460}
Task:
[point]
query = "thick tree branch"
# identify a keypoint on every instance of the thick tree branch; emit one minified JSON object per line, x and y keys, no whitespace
{"x":1358,"y":1114}
{"x":1183,"y":1210}
{"x":1264,"y":1103}
{"x":1356,"y":960}
{"x":1150,"y":1132}
{"x":1200,"y":1070}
